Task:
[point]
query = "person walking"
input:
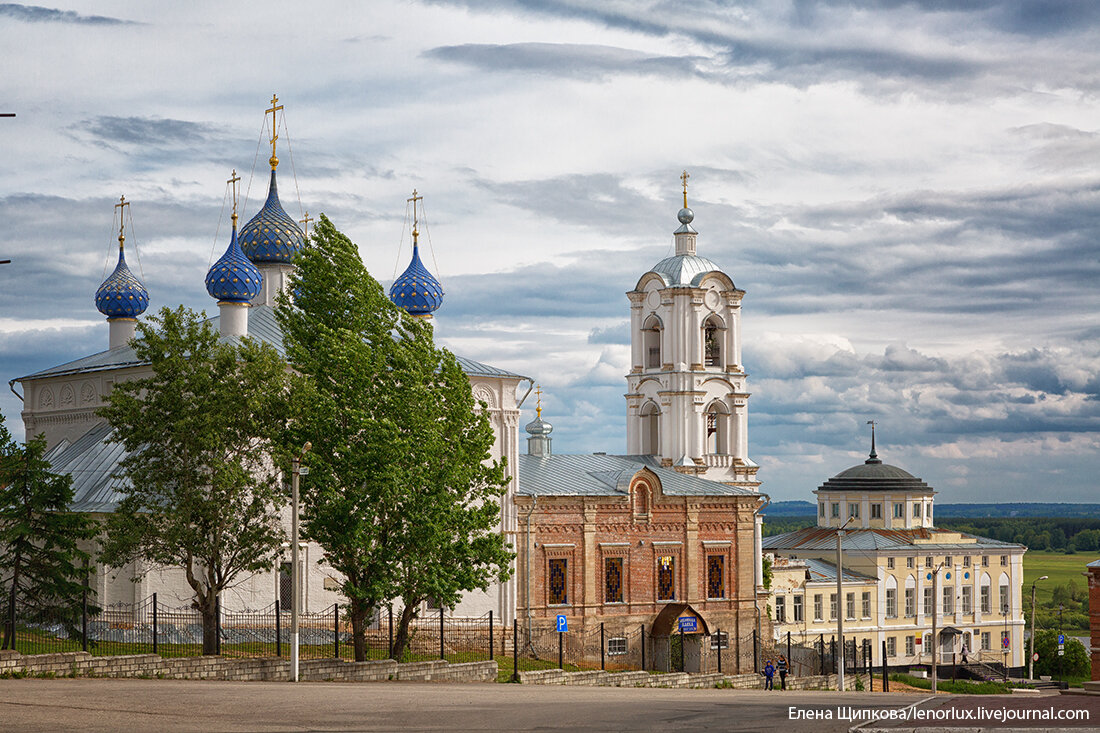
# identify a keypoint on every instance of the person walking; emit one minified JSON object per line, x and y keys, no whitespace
{"x":769,"y":672}
{"x":782,"y":666}
{"x":965,"y":651}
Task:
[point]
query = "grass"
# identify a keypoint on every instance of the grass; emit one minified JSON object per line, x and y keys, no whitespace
{"x":961,"y":687}
{"x":1061,"y":570}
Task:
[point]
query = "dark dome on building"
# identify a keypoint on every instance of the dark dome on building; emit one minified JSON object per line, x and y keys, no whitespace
{"x":874,"y":475}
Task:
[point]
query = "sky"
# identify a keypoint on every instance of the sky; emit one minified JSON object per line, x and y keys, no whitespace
{"x":908,"y":192}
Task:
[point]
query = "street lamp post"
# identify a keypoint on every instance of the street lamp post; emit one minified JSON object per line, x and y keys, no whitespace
{"x":840,"y":607}
{"x":295,"y":571}
{"x":1031,"y":652}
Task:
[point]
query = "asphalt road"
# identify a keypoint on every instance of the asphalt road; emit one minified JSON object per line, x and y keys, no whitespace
{"x":34,"y":705}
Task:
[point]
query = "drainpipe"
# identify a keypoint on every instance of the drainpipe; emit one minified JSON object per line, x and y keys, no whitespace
{"x":759,"y":559}
{"x":527,"y":560}
{"x":11,"y":386}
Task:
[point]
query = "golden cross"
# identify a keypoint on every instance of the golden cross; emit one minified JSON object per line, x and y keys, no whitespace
{"x":684,"y":177}
{"x":121,"y":205}
{"x":538,"y":394}
{"x":414,"y":199}
{"x":233,"y":181}
{"x":275,"y":107}
{"x":305,"y":223}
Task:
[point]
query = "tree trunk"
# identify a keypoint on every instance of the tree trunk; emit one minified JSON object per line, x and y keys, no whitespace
{"x":401,"y":636}
{"x":9,"y":617}
{"x":359,"y":613}
{"x":208,"y":607}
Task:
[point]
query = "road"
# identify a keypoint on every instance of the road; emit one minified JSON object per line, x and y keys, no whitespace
{"x":95,"y":705}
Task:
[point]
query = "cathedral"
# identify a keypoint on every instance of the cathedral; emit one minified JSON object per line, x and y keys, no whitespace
{"x":664,"y":538}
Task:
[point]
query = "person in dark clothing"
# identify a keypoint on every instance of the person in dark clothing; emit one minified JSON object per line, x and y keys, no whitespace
{"x":782,"y":666}
{"x":769,"y":672}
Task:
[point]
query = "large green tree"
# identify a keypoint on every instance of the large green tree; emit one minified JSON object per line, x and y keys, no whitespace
{"x":203,"y":493}
{"x":42,"y":566}
{"x":401,"y":493}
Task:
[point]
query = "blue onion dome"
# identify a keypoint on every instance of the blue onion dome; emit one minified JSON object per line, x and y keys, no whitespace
{"x":233,"y":278}
{"x":417,"y":290}
{"x":271,"y":236}
{"x":121,"y":295}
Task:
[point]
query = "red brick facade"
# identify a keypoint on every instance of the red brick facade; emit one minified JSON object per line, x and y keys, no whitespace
{"x":640,"y":529}
{"x":1094,"y":619}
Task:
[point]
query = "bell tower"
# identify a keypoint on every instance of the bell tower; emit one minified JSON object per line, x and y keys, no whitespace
{"x":687,"y":403}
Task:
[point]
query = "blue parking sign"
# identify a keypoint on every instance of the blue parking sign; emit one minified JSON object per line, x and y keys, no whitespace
{"x":1061,"y":638}
{"x":563,"y":623}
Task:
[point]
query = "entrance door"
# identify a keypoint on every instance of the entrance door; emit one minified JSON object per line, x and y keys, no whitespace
{"x":947,"y":648}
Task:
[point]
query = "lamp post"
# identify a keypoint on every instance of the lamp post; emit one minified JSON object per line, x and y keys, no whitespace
{"x":935,"y":640}
{"x":1031,"y":652}
{"x":839,"y":606}
{"x":295,"y":571}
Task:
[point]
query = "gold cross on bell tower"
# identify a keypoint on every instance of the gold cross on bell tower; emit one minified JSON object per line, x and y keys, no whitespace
{"x":416,"y":221}
{"x":305,"y":223}
{"x":275,"y":107}
{"x":121,"y":206}
{"x":234,"y":179}
{"x":538,"y":400}
{"x":684,"y":177}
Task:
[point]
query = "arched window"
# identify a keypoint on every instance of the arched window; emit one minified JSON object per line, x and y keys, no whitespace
{"x":712,"y":342}
{"x":718,"y":418}
{"x":651,"y":420}
{"x":651,"y":342}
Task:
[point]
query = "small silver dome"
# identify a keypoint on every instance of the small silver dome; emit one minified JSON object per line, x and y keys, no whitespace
{"x":538,"y":426}
{"x":685,"y":215}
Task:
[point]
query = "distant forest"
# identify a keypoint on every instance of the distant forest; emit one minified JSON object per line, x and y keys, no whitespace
{"x":1056,"y":534}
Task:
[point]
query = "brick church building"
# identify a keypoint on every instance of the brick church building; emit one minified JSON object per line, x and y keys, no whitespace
{"x":660,"y":546}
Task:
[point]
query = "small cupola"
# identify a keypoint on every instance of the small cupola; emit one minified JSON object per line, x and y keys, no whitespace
{"x":417,"y":290}
{"x":122,"y":297}
{"x":234,"y":281}
{"x":538,"y":431}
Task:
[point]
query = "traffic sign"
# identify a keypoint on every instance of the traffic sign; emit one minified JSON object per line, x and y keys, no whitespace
{"x":1004,"y":641}
{"x":1035,"y":657}
{"x":563,"y":623}
{"x":1061,"y":639}
{"x":687,"y":623}
{"x":1061,"y":652}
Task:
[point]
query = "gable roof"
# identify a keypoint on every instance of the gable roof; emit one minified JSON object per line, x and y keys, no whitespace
{"x":824,"y":538}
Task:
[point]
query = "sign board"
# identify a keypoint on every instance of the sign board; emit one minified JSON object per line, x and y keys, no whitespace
{"x":1035,"y":657}
{"x":563,"y":623}
{"x":917,"y":641}
{"x":1061,"y":652}
{"x":687,"y":623}
{"x":1061,"y":639}
{"x":1004,"y":641}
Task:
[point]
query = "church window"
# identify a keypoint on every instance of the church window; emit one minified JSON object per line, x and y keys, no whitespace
{"x":910,"y":602}
{"x":866,"y":604}
{"x":712,"y":345}
{"x":781,"y":609}
{"x":651,"y":418}
{"x":666,"y":578}
{"x":899,"y":510}
{"x":948,"y":599}
{"x":967,"y":599}
{"x":853,"y":511}
{"x":891,"y":602}
{"x":985,"y":561}
{"x":798,"y":609}
{"x":908,"y":562}
{"x":928,"y":561}
{"x":985,"y":599}
{"x":916,"y":510}
{"x":616,"y":646}
{"x":817,"y":607}
{"x":716,"y":580}
{"x":836,"y":510}
{"x":651,"y":342}
{"x":927,"y":600}
{"x":559,"y":590}
{"x":1004,"y":560}
{"x":876,"y":511}
{"x":947,"y":561}
{"x":717,"y":430}
{"x":613,"y":580}
{"x":822,"y":507}
{"x":966,"y":561}
{"x":1004,"y":599}
{"x":890,"y":563}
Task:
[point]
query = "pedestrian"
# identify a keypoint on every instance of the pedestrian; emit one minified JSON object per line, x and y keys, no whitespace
{"x":782,"y":672}
{"x":769,"y":672}
{"x":965,"y":651}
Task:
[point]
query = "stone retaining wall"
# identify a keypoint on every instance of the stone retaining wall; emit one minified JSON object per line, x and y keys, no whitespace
{"x":252,"y":670}
{"x":598,"y":678}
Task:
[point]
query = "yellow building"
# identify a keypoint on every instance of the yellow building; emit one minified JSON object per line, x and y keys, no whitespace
{"x":891,"y":551}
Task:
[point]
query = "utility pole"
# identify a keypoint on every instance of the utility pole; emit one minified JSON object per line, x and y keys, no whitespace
{"x":295,"y":570}
{"x":935,"y":641}
{"x":840,"y":606}
{"x":1031,"y":651}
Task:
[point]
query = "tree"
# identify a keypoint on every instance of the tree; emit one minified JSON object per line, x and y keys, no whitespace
{"x":203,"y":492}
{"x":397,"y":494}
{"x":1074,"y":663}
{"x":42,"y":565}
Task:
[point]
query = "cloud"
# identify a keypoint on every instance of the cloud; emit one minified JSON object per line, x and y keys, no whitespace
{"x":39,"y":14}
{"x":148,"y":130}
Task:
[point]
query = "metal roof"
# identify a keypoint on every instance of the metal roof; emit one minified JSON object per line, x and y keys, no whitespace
{"x":600,"y":474}
{"x":262,"y":325}
{"x":93,"y":462}
{"x":822,"y":571}
{"x":1093,"y":564}
{"x":684,"y":269}
{"x":824,"y":538}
